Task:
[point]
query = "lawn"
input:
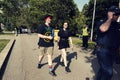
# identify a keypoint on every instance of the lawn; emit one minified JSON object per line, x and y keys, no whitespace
{"x":3,"y":43}
{"x":78,"y":41}
{"x":7,"y":34}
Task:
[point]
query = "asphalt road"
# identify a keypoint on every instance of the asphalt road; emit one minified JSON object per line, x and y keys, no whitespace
{"x":22,"y":64}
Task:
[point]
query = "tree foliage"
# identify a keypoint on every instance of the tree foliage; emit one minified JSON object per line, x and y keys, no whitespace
{"x":100,"y":10}
{"x":30,"y":12}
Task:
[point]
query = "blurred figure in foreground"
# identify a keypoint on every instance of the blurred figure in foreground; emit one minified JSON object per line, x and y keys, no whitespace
{"x":108,"y":43}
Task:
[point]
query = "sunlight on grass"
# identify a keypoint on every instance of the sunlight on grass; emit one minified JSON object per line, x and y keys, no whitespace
{"x":3,"y":43}
{"x":7,"y":34}
{"x":78,"y":41}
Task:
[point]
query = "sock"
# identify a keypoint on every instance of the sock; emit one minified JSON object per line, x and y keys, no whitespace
{"x":50,"y":68}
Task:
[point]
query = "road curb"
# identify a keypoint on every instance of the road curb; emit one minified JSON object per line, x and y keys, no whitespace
{"x":4,"y":55}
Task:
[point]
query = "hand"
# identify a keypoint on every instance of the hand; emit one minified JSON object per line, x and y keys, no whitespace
{"x":50,"y":37}
{"x":110,"y":15}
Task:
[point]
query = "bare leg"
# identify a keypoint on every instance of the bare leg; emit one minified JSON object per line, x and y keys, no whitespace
{"x":61,"y":58}
{"x":40,"y":58}
{"x":64,"y":57}
{"x":51,"y":72}
{"x":65,"y":60}
{"x":49,"y":59}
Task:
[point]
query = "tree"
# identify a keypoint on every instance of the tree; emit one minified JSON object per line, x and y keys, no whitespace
{"x":100,"y":10}
{"x":30,"y":12}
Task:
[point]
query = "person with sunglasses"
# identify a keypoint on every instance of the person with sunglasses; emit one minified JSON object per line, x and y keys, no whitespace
{"x":108,"y":43}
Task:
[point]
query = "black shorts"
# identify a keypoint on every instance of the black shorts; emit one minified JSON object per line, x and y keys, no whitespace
{"x":63,"y":44}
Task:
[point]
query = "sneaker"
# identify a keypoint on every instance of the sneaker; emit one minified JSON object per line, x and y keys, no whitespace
{"x":52,"y":73}
{"x":39,"y":65}
{"x":67,"y":69}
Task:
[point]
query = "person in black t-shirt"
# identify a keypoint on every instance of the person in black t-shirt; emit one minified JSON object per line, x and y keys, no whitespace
{"x":63,"y":43}
{"x":45,"y":34}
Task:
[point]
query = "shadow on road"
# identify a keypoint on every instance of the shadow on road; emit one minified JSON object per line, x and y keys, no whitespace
{"x":95,"y":66}
{"x":70,"y":56}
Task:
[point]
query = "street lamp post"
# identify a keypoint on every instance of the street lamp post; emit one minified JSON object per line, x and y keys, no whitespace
{"x":91,"y":36}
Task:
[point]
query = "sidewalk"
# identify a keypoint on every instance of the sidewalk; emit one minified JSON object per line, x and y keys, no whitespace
{"x":6,"y":50}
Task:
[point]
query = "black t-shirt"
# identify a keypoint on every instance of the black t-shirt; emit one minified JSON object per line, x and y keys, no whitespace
{"x":47,"y":31}
{"x":64,"y":34}
{"x":110,"y":38}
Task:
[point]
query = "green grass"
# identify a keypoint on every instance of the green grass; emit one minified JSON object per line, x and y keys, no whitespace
{"x":77,"y":41}
{"x":7,"y":34}
{"x":3,"y":43}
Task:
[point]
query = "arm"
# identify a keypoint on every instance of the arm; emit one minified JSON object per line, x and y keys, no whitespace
{"x":70,"y":39}
{"x":106,"y":25}
{"x":70,"y":42}
{"x":59,"y":34}
{"x":40,"y":30}
{"x":45,"y":37}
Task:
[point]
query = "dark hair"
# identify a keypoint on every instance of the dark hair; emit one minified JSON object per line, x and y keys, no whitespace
{"x":65,"y":22}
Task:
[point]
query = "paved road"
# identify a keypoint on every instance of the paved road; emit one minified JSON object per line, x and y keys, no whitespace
{"x":22,"y":64}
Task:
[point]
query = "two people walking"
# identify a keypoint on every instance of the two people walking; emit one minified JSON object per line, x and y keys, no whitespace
{"x":46,"y":43}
